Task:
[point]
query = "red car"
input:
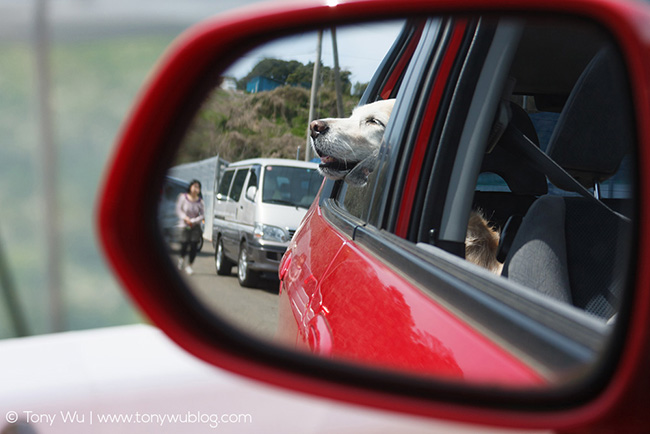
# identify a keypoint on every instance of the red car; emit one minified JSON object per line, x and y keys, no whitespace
{"x":532,"y":114}
{"x":385,"y":282}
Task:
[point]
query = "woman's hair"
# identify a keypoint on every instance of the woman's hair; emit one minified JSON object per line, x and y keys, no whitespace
{"x":194,"y":181}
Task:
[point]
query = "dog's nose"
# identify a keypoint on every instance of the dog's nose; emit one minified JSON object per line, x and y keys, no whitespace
{"x":317,"y":128}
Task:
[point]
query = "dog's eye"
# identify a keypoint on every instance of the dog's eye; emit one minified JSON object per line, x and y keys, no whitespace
{"x":375,"y":121}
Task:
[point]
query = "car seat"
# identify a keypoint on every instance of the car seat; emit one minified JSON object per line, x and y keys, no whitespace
{"x":575,"y":249}
{"x":525,"y":182}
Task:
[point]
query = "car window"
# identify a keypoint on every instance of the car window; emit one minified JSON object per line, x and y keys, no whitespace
{"x":355,"y":197}
{"x":238,"y":184}
{"x":517,"y":169}
{"x":296,"y":186}
{"x":254,"y":177}
{"x":539,"y":166}
{"x":224,"y":184}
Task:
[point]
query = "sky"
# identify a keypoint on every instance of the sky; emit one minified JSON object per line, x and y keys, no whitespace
{"x":84,"y":19}
{"x":361,"y":48}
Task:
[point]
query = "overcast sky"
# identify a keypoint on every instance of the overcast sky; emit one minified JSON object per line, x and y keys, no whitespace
{"x":361,"y":49}
{"x":97,"y":18}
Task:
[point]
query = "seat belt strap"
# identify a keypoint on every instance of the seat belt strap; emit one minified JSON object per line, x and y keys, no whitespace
{"x":518,"y":143}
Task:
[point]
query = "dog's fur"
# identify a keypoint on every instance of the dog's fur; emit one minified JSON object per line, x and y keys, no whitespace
{"x":348,"y":149}
{"x":481,"y":243}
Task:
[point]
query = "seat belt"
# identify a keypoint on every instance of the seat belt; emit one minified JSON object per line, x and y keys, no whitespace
{"x":517,"y":143}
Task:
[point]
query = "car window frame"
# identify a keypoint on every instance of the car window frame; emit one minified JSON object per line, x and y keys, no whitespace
{"x":478,"y":124}
{"x":245,"y":171}
{"x":408,"y":112}
{"x":433,"y":192}
{"x":384,"y":84}
{"x":219,"y":195}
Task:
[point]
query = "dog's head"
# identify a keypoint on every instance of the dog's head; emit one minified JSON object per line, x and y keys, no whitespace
{"x":348,"y":147}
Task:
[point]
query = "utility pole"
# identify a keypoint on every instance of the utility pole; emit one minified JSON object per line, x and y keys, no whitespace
{"x":337,"y":75}
{"x":49,"y":167}
{"x":314,"y":92}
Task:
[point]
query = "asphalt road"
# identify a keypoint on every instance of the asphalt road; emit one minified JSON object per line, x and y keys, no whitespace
{"x":254,"y":310}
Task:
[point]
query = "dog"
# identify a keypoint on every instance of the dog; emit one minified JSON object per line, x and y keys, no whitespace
{"x":348,"y":149}
{"x":482,"y":242}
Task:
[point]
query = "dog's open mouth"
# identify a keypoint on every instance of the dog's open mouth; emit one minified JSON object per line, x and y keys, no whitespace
{"x":329,"y":162}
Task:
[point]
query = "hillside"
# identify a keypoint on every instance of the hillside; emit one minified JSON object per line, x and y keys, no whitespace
{"x":237,"y":125}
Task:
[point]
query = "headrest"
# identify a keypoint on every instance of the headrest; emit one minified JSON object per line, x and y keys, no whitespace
{"x":596,"y":128}
{"x":520,"y":176}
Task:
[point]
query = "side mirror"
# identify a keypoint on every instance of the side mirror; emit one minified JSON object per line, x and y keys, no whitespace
{"x":571,"y":372}
{"x":250,"y":193}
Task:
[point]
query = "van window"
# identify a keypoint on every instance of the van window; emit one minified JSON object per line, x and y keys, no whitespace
{"x":295,"y":186}
{"x":255,"y":174}
{"x":238,"y":184}
{"x":224,"y":184}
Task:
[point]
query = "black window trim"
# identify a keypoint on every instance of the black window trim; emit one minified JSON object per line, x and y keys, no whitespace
{"x":416,"y":231}
{"x":408,"y":111}
{"x":476,"y":129}
{"x":439,"y":170}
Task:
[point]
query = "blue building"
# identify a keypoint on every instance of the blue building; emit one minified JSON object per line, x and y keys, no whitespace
{"x":261,"y":84}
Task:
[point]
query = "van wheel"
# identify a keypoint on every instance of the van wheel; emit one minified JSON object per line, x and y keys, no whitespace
{"x":221,"y":263}
{"x":245,"y":275}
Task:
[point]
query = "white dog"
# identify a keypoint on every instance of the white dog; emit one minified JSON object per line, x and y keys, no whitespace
{"x":348,"y":149}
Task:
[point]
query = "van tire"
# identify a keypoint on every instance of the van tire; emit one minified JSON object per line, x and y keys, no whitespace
{"x":246,"y":277}
{"x":222,"y":264}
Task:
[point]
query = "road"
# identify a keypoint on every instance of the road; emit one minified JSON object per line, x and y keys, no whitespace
{"x":254,"y":310}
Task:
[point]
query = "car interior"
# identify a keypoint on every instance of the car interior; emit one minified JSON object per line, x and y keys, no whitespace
{"x":557,"y":177}
{"x":566,"y":238}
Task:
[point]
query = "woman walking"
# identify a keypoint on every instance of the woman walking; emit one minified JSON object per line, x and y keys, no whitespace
{"x":190,"y":211}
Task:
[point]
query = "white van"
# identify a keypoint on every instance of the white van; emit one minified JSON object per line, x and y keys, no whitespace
{"x":258,"y":206}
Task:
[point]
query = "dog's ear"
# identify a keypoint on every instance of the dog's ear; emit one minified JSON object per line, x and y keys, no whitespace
{"x":358,"y":176}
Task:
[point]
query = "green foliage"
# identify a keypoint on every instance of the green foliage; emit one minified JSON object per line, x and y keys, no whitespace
{"x":295,"y":73}
{"x":237,"y":125}
{"x":276,"y":69}
{"x":359,"y":89}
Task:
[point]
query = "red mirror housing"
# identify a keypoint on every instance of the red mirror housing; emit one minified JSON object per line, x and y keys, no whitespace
{"x":155,"y":127}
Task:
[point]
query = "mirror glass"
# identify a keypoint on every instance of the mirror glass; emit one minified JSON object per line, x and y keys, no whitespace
{"x":476,"y":215}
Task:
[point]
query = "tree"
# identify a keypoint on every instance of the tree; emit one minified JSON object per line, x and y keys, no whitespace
{"x":276,"y":69}
{"x":295,"y":73}
{"x":359,"y":89}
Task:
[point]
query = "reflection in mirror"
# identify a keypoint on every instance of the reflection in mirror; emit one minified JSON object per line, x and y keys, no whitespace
{"x":480,"y":223}
{"x":249,"y":145}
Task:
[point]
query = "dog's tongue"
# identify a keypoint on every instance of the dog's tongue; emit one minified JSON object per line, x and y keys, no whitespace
{"x":327,"y":159}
